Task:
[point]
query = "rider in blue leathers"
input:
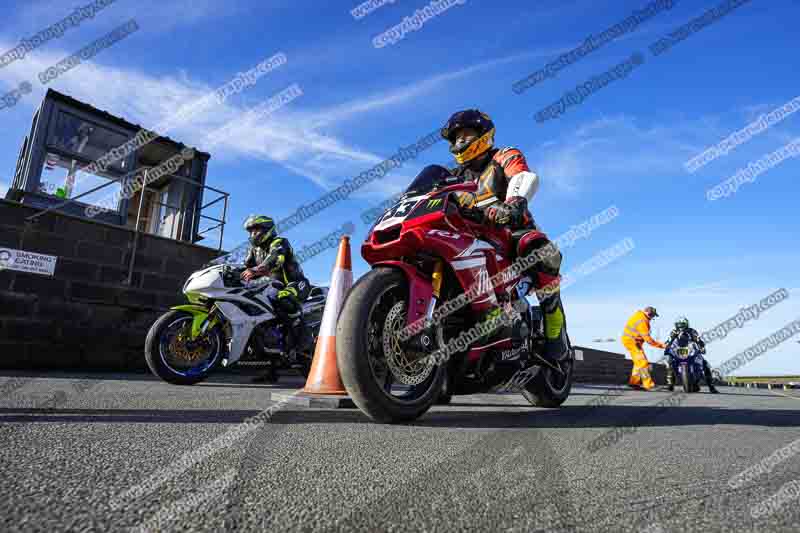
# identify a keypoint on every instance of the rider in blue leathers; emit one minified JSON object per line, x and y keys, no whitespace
{"x":682,"y":328}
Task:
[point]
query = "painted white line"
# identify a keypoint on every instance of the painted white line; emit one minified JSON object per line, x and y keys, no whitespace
{"x":787,"y":395}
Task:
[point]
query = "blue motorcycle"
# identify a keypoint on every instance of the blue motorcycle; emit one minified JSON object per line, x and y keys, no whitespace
{"x":687,"y":362}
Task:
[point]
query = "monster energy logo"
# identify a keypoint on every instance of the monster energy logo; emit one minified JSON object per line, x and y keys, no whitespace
{"x":434,"y":203}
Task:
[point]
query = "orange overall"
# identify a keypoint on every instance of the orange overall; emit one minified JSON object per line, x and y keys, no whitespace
{"x":637,"y":332}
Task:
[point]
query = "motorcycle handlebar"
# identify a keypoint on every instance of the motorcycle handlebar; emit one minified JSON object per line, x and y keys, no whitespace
{"x":473,"y":214}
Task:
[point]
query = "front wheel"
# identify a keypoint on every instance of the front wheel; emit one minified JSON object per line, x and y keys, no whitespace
{"x":688,"y":386}
{"x":174,"y":357}
{"x":387,"y":382}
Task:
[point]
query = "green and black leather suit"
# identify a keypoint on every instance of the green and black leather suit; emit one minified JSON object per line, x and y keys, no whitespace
{"x":278,"y":261}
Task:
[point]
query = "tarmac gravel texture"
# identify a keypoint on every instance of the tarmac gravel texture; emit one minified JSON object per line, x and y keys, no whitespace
{"x":482,"y":463}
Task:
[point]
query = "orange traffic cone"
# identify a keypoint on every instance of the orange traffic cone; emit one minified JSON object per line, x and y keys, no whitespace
{"x":323,"y":378}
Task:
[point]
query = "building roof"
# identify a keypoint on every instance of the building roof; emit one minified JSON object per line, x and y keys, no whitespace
{"x":115,"y":119}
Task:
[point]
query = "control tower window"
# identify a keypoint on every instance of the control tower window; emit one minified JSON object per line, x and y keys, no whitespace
{"x":86,"y":139}
{"x":65,"y":178}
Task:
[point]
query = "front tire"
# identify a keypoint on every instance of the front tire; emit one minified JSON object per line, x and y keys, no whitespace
{"x":688,"y":386}
{"x":162,"y":360}
{"x":361,"y":349}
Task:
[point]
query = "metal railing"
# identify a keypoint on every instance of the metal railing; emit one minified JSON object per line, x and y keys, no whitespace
{"x":196,"y":212}
{"x":224,"y":196}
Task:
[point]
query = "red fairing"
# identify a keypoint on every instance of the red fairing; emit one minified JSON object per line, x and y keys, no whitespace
{"x":497,"y":260}
{"x":419,"y":286}
{"x":476,"y":352}
{"x":474,"y":252}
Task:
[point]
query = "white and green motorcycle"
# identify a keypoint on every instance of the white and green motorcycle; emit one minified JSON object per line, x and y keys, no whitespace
{"x":225,"y":321}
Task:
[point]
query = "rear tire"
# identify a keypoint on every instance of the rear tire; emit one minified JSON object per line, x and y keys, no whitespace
{"x":550,"y":388}
{"x":360,"y":309}
{"x":446,"y":394}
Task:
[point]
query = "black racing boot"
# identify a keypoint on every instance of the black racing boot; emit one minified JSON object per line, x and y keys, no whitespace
{"x":302,"y":335}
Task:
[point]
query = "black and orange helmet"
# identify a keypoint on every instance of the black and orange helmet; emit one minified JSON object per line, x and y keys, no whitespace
{"x":469,"y":118}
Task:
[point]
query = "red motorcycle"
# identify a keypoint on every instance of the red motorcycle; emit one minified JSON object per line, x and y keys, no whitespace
{"x":414,"y":330}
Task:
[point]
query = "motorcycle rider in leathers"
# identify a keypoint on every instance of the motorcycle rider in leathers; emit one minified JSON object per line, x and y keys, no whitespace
{"x":682,"y":327}
{"x":270,"y":255}
{"x":505,"y":186}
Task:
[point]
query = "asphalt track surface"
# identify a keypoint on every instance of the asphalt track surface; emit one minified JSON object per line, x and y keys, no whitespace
{"x":125,"y":452}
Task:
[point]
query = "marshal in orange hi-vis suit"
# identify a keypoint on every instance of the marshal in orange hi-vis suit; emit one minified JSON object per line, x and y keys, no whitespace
{"x":637,"y":332}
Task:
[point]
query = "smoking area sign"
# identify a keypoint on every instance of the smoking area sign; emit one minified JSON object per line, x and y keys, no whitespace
{"x":23,"y":261}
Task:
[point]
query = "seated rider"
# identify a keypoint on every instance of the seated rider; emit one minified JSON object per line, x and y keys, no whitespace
{"x":682,"y":328}
{"x":505,"y":186}
{"x":272,"y":256}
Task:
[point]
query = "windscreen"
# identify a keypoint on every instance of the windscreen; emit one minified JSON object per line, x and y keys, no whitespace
{"x":431,"y":177}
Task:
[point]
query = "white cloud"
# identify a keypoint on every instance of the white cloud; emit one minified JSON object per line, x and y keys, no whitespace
{"x":152,"y":15}
{"x":290,"y":137}
{"x":715,"y":287}
{"x":615,"y":146}
{"x":622,"y":146}
{"x":286,"y":137}
{"x":410,"y":92}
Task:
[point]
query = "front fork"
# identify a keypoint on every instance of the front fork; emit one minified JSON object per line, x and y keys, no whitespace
{"x":436,"y":284}
{"x":203,"y":318}
{"x":425,"y":340}
{"x":437,"y":279}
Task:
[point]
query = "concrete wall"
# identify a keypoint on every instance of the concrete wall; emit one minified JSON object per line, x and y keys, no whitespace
{"x":86,"y":315}
{"x":607,"y":367}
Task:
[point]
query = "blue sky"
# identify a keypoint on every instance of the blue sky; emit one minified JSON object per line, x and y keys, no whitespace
{"x":624,"y":146}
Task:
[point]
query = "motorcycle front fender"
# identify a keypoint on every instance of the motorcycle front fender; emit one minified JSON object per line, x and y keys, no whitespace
{"x":420,"y":289}
{"x":199,"y":315}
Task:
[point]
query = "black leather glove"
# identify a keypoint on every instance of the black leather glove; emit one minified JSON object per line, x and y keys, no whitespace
{"x":467,"y":205}
{"x":474,"y":214}
{"x":511,"y":213}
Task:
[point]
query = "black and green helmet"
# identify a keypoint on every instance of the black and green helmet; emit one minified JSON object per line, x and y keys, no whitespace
{"x":682,"y":323}
{"x":261,"y":229}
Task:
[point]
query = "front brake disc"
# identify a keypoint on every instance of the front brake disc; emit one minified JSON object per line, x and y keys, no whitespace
{"x":409,"y":367}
